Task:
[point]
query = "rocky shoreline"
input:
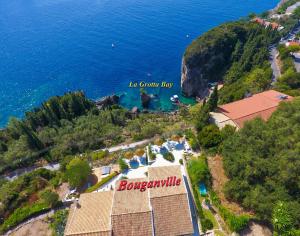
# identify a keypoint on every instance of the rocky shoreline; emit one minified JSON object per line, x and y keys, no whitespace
{"x":202,"y":64}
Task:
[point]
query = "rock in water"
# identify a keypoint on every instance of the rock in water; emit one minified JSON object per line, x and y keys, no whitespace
{"x":107,"y":101}
{"x":145,"y":99}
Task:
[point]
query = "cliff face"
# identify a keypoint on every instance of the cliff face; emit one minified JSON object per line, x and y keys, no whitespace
{"x":195,"y":79}
{"x":207,"y":58}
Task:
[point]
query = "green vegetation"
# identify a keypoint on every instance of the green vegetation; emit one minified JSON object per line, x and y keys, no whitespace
{"x":289,"y":82}
{"x":234,"y":222}
{"x":22,"y":214}
{"x":24,"y":190}
{"x":70,"y":125}
{"x":152,"y":156}
{"x":102,"y":182}
{"x":198,"y":172}
{"x":50,"y":198}
{"x":99,"y":155}
{"x":235,"y":53}
{"x":210,"y":136}
{"x":58,"y":222}
{"x":77,"y":172}
{"x":262,"y":162}
{"x":285,"y":5}
{"x":123,"y":165}
{"x":169,"y":156}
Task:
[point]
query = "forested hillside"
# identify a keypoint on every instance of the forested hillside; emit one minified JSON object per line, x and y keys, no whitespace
{"x":71,"y":124}
{"x":235,"y":53}
{"x":262,"y":161}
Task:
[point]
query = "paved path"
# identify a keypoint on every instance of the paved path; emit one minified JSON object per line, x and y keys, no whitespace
{"x":55,"y":166}
{"x":16,"y":173}
{"x":274,"y":64}
{"x":127,"y":146}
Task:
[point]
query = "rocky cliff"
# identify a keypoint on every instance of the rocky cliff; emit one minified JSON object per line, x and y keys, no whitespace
{"x":207,"y":58}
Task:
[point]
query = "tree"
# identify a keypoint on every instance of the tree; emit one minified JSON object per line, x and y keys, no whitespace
{"x":213,"y":100}
{"x":122,"y":165}
{"x":209,"y":136}
{"x":49,"y":197}
{"x":77,"y":172}
{"x":202,"y":118}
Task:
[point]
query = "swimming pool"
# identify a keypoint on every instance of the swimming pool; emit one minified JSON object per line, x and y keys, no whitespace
{"x":202,"y":189}
{"x":134,"y":164}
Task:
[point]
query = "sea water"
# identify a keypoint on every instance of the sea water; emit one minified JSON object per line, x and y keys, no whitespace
{"x":49,"y":47}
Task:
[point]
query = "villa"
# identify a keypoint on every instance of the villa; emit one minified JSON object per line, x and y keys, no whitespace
{"x":155,"y":205}
{"x":266,"y":24}
{"x":258,"y":105}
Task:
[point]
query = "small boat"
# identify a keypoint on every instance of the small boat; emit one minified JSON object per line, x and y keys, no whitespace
{"x":187,"y":35}
{"x":112,"y":45}
{"x":174,"y":99}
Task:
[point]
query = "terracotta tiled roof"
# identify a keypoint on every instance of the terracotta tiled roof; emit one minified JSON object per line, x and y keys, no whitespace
{"x":157,"y":211}
{"x":130,"y":201}
{"x":131,"y":213}
{"x":133,"y":224}
{"x":259,"y":105}
{"x":171,"y":215}
{"x":170,"y":204}
{"x":157,"y":173}
{"x":92,"y":216}
{"x":265,"y":115}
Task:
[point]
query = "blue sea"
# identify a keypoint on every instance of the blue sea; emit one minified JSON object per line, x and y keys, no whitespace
{"x":49,"y":47}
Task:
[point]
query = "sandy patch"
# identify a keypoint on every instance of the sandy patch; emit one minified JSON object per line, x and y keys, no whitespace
{"x":36,"y":228}
{"x":62,"y":190}
{"x":256,"y":229}
{"x":219,"y":180}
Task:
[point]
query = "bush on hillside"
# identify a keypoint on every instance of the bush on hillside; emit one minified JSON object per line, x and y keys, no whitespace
{"x":169,"y":156}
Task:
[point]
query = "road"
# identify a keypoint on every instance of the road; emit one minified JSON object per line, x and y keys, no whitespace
{"x":274,"y":53}
{"x":16,"y":173}
{"x":274,"y":65}
{"x":296,"y":57}
{"x":55,"y":166}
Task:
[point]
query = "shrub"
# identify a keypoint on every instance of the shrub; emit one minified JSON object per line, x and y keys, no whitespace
{"x":234,"y":222}
{"x":169,"y":156}
{"x":152,"y":156}
{"x":207,"y":224}
{"x":139,"y":152}
{"x":99,"y":155}
{"x":175,"y":137}
{"x":102,"y":182}
{"x":181,"y":162}
{"x":159,"y":141}
{"x":58,"y":222}
{"x":50,"y":198}
{"x":123,"y":165}
{"x":128,"y":155}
